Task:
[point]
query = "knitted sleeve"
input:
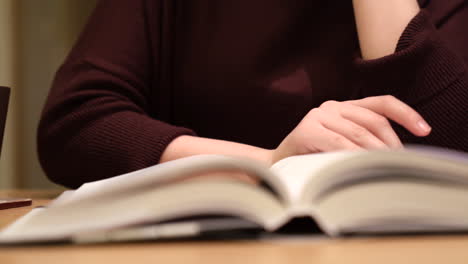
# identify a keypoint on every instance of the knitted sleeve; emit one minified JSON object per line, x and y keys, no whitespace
{"x":96,"y":122}
{"x":429,"y":72}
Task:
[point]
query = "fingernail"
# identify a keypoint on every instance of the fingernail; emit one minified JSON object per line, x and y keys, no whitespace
{"x":424,"y":126}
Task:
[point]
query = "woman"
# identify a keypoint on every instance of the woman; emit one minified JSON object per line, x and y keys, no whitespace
{"x":152,"y":81}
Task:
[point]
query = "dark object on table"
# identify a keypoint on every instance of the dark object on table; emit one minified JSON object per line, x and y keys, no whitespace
{"x":12,"y":203}
{"x":4,"y":98}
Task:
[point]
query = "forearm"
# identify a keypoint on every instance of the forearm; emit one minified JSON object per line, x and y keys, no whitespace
{"x":185,"y":146}
{"x":381,"y":23}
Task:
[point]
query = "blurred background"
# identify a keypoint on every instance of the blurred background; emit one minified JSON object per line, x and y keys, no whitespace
{"x":35,"y":37}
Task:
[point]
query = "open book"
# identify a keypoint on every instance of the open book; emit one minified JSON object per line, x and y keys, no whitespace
{"x":412,"y":190}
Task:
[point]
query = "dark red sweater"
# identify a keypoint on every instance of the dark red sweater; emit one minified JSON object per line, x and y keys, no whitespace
{"x":145,"y":72}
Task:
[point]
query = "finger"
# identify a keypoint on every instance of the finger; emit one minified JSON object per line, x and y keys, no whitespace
{"x":352,"y":131}
{"x":397,"y":111}
{"x":377,"y":124}
{"x":373,"y":122}
{"x":324,"y":139}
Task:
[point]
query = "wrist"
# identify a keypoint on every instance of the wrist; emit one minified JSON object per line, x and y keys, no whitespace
{"x":283,"y":150}
{"x":267,"y":157}
{"x":185,"y":146}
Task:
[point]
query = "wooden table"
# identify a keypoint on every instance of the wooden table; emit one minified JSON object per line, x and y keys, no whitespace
{"x":419,"y":249}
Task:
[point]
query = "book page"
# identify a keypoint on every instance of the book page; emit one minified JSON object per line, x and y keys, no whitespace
{"x":294,"y":172}
{"x":158,"y":175}
{"x":178,"y":201}
{"x":319,"y":173}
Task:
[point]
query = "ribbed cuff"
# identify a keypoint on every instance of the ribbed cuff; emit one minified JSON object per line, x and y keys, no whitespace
{"x":170,"y":133}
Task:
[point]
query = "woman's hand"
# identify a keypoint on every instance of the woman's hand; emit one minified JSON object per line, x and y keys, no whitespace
{"x":349,"y":125}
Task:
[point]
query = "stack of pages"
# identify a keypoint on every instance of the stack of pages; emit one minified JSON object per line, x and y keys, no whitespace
{"x":365,"y":192}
